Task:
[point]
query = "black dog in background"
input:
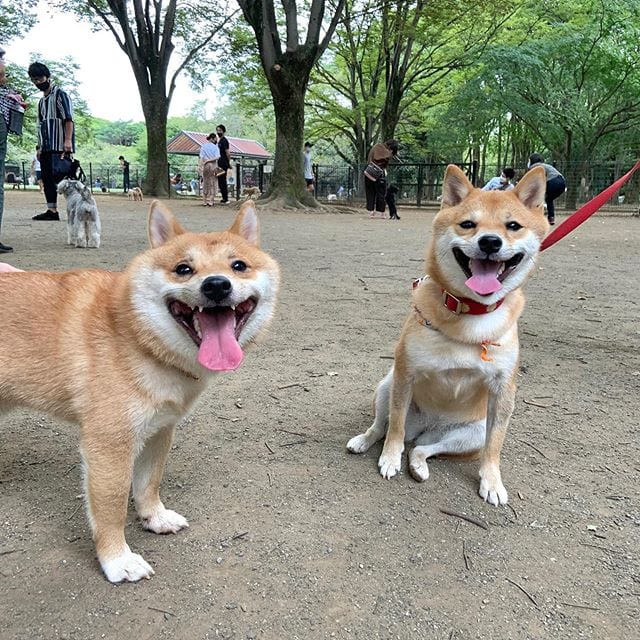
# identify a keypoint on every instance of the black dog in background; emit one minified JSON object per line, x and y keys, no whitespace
{"x":390,"y":199}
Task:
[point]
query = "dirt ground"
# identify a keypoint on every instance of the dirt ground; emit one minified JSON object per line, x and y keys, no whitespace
{"x":291,"y":536}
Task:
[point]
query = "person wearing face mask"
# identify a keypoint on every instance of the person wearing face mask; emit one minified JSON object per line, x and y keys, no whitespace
{"x":501,"y":182}
{"x":55,"y":133}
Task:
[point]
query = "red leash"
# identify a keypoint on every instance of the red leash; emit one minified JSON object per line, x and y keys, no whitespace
{"x":585,"y":211}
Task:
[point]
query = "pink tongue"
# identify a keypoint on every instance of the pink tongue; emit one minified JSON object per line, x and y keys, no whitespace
{"x":219,"y":349}
{"x":485,"y":276}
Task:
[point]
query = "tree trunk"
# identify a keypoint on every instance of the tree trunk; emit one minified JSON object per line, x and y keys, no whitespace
{"x":155,"y":107}
{"x":287,"y":70}
{"x":288,"y":88}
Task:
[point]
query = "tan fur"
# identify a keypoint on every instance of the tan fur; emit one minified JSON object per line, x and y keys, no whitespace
{"x":135,"y":194}
{"x":439,"y":382}
{"x":102,"y":350}
{"x":251,"y":192}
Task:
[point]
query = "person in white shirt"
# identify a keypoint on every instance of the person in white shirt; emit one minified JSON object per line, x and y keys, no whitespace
{"x":209,"y":156}
{"x":36,"y":171}
{"x":501,"y":182}
{"x":308,"y":166}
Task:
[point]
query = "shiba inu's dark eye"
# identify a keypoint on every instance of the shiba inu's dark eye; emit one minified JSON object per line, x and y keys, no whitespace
{"x":238,"y":265}
{"x":513,"y":226}
{"x":468,"y":224}
{"x":183,"y":269}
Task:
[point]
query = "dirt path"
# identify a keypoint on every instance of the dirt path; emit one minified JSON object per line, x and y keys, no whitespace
{"x":293,"y":538}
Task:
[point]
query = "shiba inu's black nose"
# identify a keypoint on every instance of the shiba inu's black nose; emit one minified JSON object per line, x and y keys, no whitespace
{"x":216,"y":288}
{"x":490,"y":244}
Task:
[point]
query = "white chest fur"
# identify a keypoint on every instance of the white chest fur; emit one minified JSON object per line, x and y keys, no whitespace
{"x":461,"y":367}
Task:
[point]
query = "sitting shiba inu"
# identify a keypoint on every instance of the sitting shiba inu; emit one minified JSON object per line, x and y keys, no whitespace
{"x":453,"y":383}
{"x":127,"y":354}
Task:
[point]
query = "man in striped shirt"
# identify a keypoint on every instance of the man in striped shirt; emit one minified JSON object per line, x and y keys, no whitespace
{"x":55,"y":133}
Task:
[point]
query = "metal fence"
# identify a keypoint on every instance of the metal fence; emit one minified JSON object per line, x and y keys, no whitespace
{"x":586,"y":180}
{"x":420,"y":184}
{"x":108,"y":177}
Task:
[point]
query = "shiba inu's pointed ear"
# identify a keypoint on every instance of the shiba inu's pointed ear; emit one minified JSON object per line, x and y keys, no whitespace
{"x":246,"y":223}
{"x":456,"y":187}
{"x":162,"y":225}
{"x":531,"y":189}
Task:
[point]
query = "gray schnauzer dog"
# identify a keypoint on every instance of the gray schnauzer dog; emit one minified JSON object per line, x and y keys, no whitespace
{"x":83,"y":220}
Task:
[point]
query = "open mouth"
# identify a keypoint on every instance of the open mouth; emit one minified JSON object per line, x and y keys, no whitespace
{"x":486,"y":276}
{"x":215,"y":331}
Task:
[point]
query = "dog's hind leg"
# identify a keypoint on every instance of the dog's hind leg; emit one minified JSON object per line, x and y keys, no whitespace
{"x":147,"y":475}
{"x":94,"y":235}
{"x":362,"y":442}
{"x":69,"y":228}
{"x":80,"y":234}
{"x":452,"y":439}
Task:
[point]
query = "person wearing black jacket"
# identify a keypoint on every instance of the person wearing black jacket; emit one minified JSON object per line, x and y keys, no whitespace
{"x":224,"y":163}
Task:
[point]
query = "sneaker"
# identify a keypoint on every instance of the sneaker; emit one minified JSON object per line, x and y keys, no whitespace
{"x":224,"y":202}
{"x":552,"y":220}
{"x":4,"y":248}
{"x":47,"y":215}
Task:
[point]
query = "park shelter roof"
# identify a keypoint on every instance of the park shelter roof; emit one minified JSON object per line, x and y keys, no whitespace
{"x":189,"y":142}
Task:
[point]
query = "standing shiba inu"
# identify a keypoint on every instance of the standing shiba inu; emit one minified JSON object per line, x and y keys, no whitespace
{"x":453,"y":384}
{"x":127,"y":354}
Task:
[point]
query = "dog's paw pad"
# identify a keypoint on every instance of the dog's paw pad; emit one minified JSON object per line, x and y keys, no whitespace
{"x":128,"y":567}
{"x":389,"y":465}
{"x":358,"y":444}
{"x":493,"y":492}
{"x":419,"y":471}
{"x":165,"y":521}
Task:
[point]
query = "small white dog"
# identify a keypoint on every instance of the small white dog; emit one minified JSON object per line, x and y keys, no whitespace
{"x":83,"y":220}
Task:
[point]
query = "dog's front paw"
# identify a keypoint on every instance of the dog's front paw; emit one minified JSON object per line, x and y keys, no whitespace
{"x":164,"y":521}
{"x":359,"y":444}
{"x":491,"y":488}
{"x":390,"y":463}
{"x":127,"y":567}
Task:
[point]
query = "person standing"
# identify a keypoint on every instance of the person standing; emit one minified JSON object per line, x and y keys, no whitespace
{"x":224,"y":163}
{"x":556,"y":184}
{"x":501,"y":182}
{"x":8,"y":99}
{"x":209,"y":156}
{"x":375,"y":176}
{"x":308,"y":166}
{"x":36,"y":172}
{"x":55,"y":133}
{"x":126,"y":182}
